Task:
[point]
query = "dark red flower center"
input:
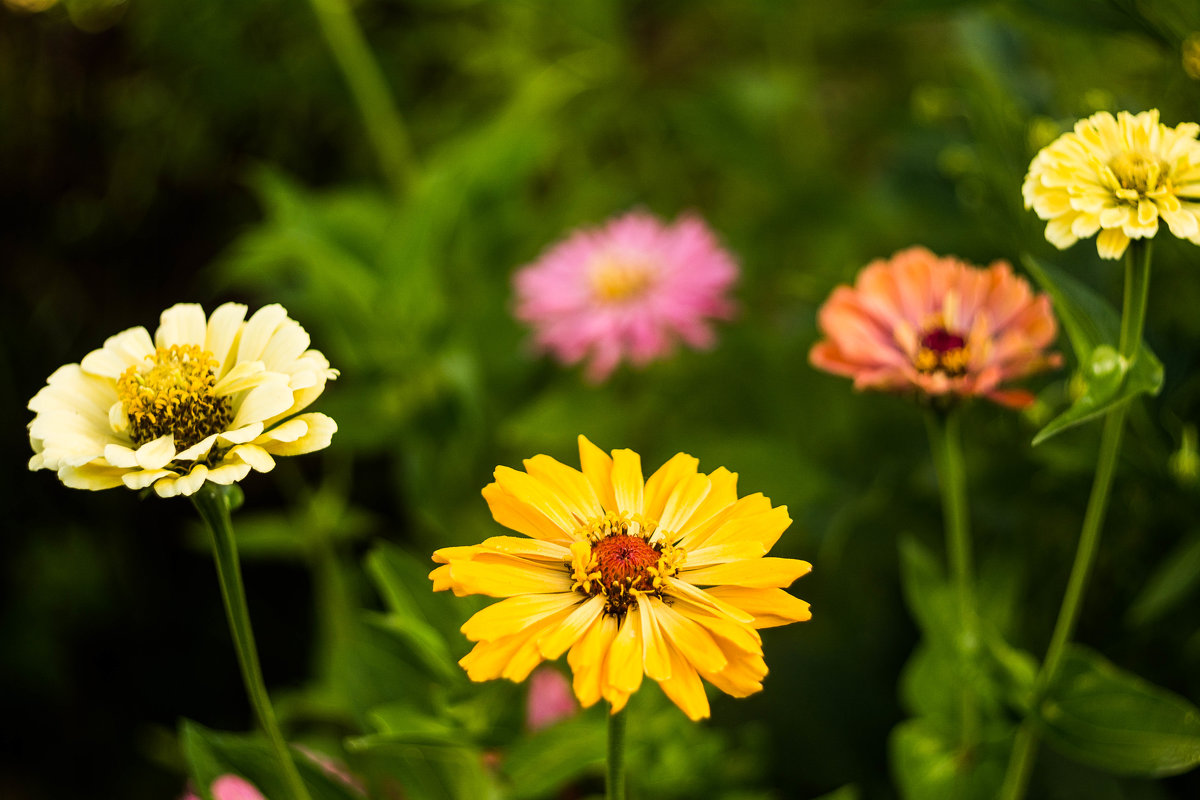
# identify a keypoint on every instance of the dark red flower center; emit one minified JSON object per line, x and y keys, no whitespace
{"x":942,"y":351}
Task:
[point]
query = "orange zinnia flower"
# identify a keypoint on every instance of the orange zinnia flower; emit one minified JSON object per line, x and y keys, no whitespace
{"x":612,"y":573}
{"x":938,"y":326}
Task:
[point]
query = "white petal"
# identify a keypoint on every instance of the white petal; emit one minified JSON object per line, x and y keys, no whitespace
{"x":198,"y":450}
{"x":320,"y":432}
{"x":242,"y":435}
{"x":143,"y":478}
{"x":289,"y":431}
{"x":255,"y":456}
{"x":91,"y":476}
{"x":182,"y":323}
{"x":258,"y":330}
{"x":223,"y":328}
{"x":285,"y":346}
{"x":184,"y":485}
{"x":120,"y":456}
{"x":228,"y":473}
{"x":121,"y":351}
{"x":263,"y":401}
{"x":245,"y":375}
{"x":158,"y":453}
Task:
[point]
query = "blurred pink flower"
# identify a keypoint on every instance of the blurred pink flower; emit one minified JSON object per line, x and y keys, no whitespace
{"x":230,"y":787}
{"x":939,"y":326}
{"x":627,"y":290}
{"x":550,"y":699}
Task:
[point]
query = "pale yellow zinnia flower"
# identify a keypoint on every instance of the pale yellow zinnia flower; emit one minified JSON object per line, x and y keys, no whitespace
{"x":613,"y":574}
{"x":1117,"y":177}
{"x":204,"y":400}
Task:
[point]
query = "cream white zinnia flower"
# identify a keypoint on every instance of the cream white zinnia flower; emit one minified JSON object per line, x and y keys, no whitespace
{"x":204,"y":400}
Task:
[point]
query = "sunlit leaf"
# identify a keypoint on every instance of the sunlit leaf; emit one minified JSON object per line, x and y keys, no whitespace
{"x":926,"y":765}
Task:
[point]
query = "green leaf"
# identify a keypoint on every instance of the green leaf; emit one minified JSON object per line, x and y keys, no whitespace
{"x":403,"y":722}
{"x":1117,"y":722}
{"x":1175,"y":579}
{"x":1094,"y":329}
{"x":210,"y":754}
{"x":928,"y":766}
{"x":538,"y":765}
{"x":429,"y":772}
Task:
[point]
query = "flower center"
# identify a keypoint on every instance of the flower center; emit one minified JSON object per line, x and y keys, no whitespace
{"x":619,"y":560}
{"x":174,"y":394}
{"x":1137,"y":173}
{"x":942,"y":351}
{"x":615,"y":280}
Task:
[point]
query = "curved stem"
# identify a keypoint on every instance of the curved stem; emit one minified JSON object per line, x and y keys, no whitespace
{"x":1133,"y":319}
{"x":210,"y":502}
{"x":616,"y":756}
{"x":945,"y":441}
{"x":384,"y":125}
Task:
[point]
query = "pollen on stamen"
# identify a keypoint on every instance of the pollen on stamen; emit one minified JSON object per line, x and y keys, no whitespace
{"x":621,"y":558}
{"x":174,"y":393}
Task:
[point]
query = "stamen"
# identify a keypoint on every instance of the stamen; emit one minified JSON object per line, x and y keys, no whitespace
{"x":174,"y":394}
{"x":615,"y":280}
{"x":621,"y":558}
{"x":1137,"y":173}
{"x":942,"y":351}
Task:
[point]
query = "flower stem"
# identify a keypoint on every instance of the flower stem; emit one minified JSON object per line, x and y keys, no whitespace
{"x":1133,"y":319}
{"x":385,"y":128}
{"x":616,"y":756}
{"x":945,"y":441}
{"x":210,"y":502}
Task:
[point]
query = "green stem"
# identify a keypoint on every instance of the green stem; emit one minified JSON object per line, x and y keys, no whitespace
{"x":385,"y":128}
{"x":1133,"y":319}
{"x":210,"y":502}
{"x":945,"y":441}
{"x":616,"y":756}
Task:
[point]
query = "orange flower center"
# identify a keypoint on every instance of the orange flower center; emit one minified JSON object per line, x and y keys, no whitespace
{"x":942,"y":351}
{"x":615,"y":279}
{"x":620,"y":558}
{"x":174,"y":393}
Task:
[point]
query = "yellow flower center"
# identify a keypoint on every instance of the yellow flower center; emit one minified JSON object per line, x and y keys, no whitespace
{"x":942,"y":351}
{"x":615,"y":280}
{"x":1137,"y":173}
{"x":174,"y":393}
{"x":619,"y":560}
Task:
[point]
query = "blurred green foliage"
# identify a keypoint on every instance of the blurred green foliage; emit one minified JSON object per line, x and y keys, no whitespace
{"x":155,"y":153}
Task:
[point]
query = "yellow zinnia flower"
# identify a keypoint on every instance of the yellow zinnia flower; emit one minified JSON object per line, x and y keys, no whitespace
{"x":204,"y":400}
{"x":1117,"y":176}
{"x":612,"y":573}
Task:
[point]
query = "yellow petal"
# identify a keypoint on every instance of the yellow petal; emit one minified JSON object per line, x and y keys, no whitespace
{"x":685,"y":688}
{"x":749,"y":505}
{"x":623,"y":667}
{"x":587,"y":658}
{"x":627,"y":481}
{"x":721,"y":495}
{"x":685,"y":591}
{"x":528,"y":548}
{"x":688,"y":496}
{"x":755,"y":572}
{"x":689,"y":638}
{"x":499,"y":575}
{"x":597,"y":468}
{"x":93,"y":476}
{"x":722,"y":553}
{"x":662,"y":483}
{"x":656,"y":658}
{"x":571,"y":485}
{"x":517,"y":515}
{"x":554,"y":642}
{"x":764,"y":528}
{"x":770,"y":607}
{"x":317,"y":437}
{"x":533,"y":492}
{"x":513,"y":615}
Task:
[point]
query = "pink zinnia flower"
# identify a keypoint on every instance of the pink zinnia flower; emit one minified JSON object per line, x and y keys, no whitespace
{"x":550,"y":699}
{"x":230,"y":787}
{"x":938,"y":326}
{"x":628,"y":290}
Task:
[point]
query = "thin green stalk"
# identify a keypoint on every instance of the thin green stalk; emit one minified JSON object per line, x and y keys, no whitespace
{"x":210,"y":502}
{"x":616,"y":756}
{"x":945,"y":441}
{"x":382,"y":119}
{"x":1133,"y":319}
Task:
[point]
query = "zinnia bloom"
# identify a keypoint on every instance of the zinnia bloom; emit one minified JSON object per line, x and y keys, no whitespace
{"x":230,"y":787}
{"x":204,"y":400}
{"x":627,"y":291}
{"x":612,"y":573}
{"x":1118,"y":177}
{"x":938,"y":326}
